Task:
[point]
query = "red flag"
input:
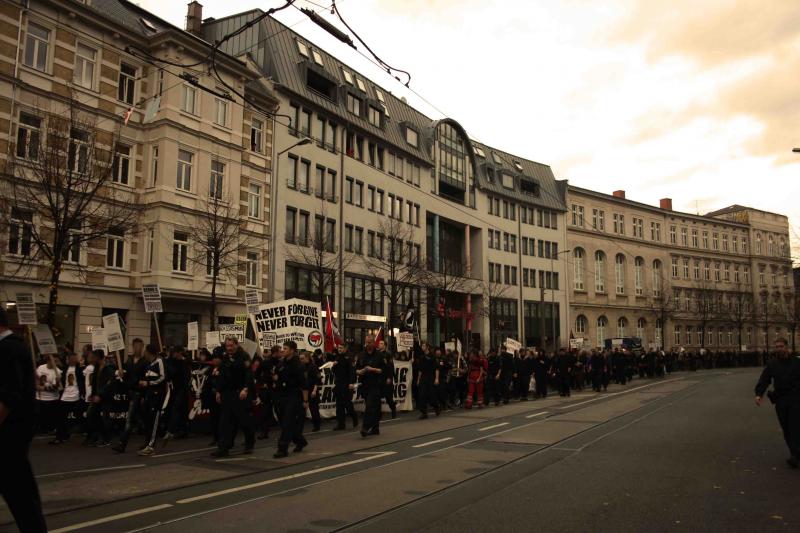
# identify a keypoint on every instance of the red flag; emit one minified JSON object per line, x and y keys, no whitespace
{"x":332,"y":337}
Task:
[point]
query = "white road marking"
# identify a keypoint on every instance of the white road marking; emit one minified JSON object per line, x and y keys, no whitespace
{"x":284,"y":478}
{"x":487,"y":428}
{"x":184,"y":451}
{"x":112,"y":518}
{"x":104,"y":469}
{"x":534,"y":415}
{"x":620,"y":392}
{"x":432,"y":442}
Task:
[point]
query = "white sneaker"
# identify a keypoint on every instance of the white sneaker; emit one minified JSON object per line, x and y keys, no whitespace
{"x":146,"y":451}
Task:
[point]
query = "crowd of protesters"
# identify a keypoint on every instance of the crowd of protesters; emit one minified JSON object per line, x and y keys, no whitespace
{"x":255,"y":393}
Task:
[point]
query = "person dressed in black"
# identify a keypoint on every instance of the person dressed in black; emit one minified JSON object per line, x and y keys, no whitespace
{"x":208,"y":394}
{"x":180,"y":376}
{"x":156,"y":395}
{"x":135,"y":369}
{"x":265,"y":387}
{"x":344,"y":378}
{"x":526,"y":368}
{"x":507,"y":375}
{"x":541,"y":374}
{"x":387,"y":388}
{"x":104,"y":385}
{"x":17,"y":401}
{"x":313,"y":383}
{"x":292,"y":396}
{"x":564,"y":365}
{"x":444,"y":366}
{"x":372,"y":370}
{"x":493,"y":378}
{"x":236,"y":393}
{"x":427,"y":381}
{"x":596,"y":368}
{"x":783,"y":372}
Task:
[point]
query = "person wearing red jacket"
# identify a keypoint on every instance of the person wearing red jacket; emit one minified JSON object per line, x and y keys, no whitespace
{"x":478,"y":366}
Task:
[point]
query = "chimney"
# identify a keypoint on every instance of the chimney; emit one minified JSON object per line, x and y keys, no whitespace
{"x":665,"y":203}
{"x":194,"y":18}
{"x":618,"y":194}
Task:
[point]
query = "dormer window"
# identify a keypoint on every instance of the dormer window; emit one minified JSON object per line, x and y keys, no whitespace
{"x":301,"y":47}
{"x":347,"y":76}
{"x":479,"y":152}
{"x":374,"y":116}
{"x":361,"y":85}
{"x":497,"y":158}
{"x":380,"y":96}
{"x":518,"y":165}
{"x":412,"y":137}
{"x":317,"y":57}
{"x":508,"y":181}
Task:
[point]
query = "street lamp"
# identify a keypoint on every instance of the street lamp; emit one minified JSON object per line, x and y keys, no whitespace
{"x":553,"y":292}
{"x":272,"y":213}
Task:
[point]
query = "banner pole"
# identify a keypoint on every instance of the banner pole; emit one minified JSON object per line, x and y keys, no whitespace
{"x":33,"y":351}
{"x":158,"y":333}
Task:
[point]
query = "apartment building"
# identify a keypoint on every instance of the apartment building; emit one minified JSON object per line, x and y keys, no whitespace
{"x":718,"y":281}
{"x":377,"y":206}
{"x":186,"y":150}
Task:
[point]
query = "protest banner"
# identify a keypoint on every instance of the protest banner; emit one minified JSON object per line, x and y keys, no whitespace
{"x":240,"y":319}
{"x":193,"y":336}
{"x":449,"y":346}
{"x":296,"y":320}
{"x":151,"y":294}
{"x":231,"y":330}
{"x":212,"y":340}
{"x":512,"y":345}
{"x":26,"y":309}
{"x":99,"y":339}
{"x":405,"y":341}
{"x":114,"y":339}
{"x":403,"y":377}
{"x":251,"y":301}
{"x":45,"y":340}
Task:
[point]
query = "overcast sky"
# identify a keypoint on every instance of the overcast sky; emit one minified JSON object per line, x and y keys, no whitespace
{"x":694,"y":100}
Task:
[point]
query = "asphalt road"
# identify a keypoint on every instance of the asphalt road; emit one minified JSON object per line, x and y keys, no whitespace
{"x":689,"y":452}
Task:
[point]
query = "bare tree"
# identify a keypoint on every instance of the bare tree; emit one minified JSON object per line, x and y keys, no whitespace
{"x":663,"y":307}
{"x":706,"y":306}
{"x":66,"y":189}
{"x":399,"y":263}
{"x":446,"y":277}
{"x":740,"y":309}
{"x":491,"y":291}
{"x":217,"y":234}
{"x":319,"y":252}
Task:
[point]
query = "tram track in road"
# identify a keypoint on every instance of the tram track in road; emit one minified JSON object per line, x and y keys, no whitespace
{"x":425,"y":444}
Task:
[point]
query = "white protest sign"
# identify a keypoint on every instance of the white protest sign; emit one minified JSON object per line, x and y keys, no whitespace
{"x":449,"y":346}
{"x":513,"y":345}
{"x":44,"y":338}
{"x":458,"y":347}
{"x":193,"y":335}
{"x":576,"y":343}
{"x":212,"y":340}
{"x":405,"y":341}
{"x":151,"y":294}
{"x":403,"y":377}
{"x":251,"y":300}
{"x":99,"y":339}
{"x":114,"y":338}
{"x":26,"y":309}
{"x":296,"y":320}
{"x":251,"y":347}
{"x":231,"y":330}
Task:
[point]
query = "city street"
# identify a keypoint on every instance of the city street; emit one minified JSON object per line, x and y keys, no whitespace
{"x":688,"y":452}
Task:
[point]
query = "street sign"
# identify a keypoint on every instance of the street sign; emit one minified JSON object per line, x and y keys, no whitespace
{"x":513,"y":345}
{"x":114,"y":339}
{"x":151,"y":294}
{"x":26,"y":309}
{"x":44,"y":338}
{"x":251,"y":300}
{"x":193,"y":336}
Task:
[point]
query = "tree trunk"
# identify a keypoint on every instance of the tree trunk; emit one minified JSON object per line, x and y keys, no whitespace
{"x":212,"y":306}
{"x":52,"y":301}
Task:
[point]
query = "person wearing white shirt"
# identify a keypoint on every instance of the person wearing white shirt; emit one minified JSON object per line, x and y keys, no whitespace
{"x":71,"y":404}
{"x":48,"y":385}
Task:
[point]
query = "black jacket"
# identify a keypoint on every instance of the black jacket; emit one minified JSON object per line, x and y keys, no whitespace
{"x":235,"y":374}
{"x":344,"y":373}
{"x":291,"y":377}
{"x":17,"y":393}
{"x":784,"y":374}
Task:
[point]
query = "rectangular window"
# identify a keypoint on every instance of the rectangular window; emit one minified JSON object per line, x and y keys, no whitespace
{"x":127,"y":83}
{"x":724,"y":242}
{"x":252,"y":269}
{"x":619,"y":224}
{"x":305,"y":122}
{"x":411,"y":137}
{"x":20,"y":232}
{"x":374,"y":116}
{"x":254,"y":201}
{"x":358,"y":238}
{"x":37,"y":41}
{"x":291,"y":220}
{"x":115,"y":248}
{"x":694,"y":238}
{"x":577,"y":215}
{"x":72,"y":254}
{"x":685,"y":268}
{"x":655,"y":231}
{"x":353,"y":104}
{"x":379,"y":202}
{"x":673,"y":238}
{"x":319,"y":181}
{"x":184,"y":177}
{"x":291,"y":181}
{"x":705,"y":240}
{"x":189,"y":99}
{"x":715,"y":241}
{"x":638,"y":228}
{"x":153,"y":166}
{"x":78,"y":157}
{"x":330,"y":136}
{"x":331,"y":187}
{"x":303,"y":170}
{"x":180,"y":252}
{"x":330,"y":235}
{"x":121,"y":166}
{"x":85,"y":60}
{"x":256,"y":135}
{"x":216,"y":180}
{"x":598,"y":219}
{"x":28,"y":136}
{"x":302,"y":228}
{"x":348,"y":237}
